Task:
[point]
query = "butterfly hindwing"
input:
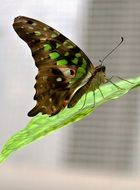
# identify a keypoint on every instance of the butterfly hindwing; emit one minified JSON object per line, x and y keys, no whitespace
{"x":62,"y":66}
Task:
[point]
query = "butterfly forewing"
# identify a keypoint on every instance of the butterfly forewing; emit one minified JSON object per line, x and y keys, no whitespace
{"x":62,"y":66}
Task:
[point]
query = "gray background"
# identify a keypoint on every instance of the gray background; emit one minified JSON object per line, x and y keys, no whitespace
{"x":99,"y":152}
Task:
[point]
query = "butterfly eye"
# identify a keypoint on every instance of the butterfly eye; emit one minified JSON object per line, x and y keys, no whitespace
{"x":103,"y":68}
{"x":100,"y":68}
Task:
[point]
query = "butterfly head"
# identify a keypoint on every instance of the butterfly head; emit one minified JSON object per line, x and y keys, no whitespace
{"x":98,"y":76}
{"x":100,"y":68}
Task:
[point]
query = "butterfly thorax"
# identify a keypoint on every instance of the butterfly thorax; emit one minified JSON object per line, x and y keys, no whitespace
{"x":97,"y":78}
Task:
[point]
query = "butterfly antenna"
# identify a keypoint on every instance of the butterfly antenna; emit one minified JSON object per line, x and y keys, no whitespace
{"x":122,"y":39}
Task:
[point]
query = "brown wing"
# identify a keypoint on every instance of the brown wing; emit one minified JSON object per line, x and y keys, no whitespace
{"x":52,"y":91}
{"x":61,"y":64}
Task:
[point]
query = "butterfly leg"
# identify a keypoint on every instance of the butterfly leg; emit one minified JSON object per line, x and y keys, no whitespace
{"x":84,"y":101}
{"x":93,"y":99}
{"x":109,"y":80}
{"x":101,"y":93}
{"x":124,"y":79}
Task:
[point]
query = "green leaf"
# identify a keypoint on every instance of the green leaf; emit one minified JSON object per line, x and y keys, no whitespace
{"x":42,"y":125}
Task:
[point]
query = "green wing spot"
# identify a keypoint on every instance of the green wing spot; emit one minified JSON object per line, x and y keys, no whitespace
{"x":70,"y":47}
{"x":84,"y":63}
{"x":54,"y":55}
{"x":54,"y":34}
{"x":62,"y":62}
{"x":34,"y":24}
{"x":47,"y":47}
{"x":75,"y":60}
{"x":37,"y":33}
{"x":66,"y":54}
{"x":68,"y":44}
{"x":78,"y":55}
{"x":45,"y":29}
{"x":80,"y":72}
{"x":58,"y":45}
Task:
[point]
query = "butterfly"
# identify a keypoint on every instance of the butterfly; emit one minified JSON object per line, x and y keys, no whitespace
{"x":65,"y":73}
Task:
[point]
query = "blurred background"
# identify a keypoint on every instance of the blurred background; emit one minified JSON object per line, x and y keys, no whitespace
{"x":103,"y":150}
